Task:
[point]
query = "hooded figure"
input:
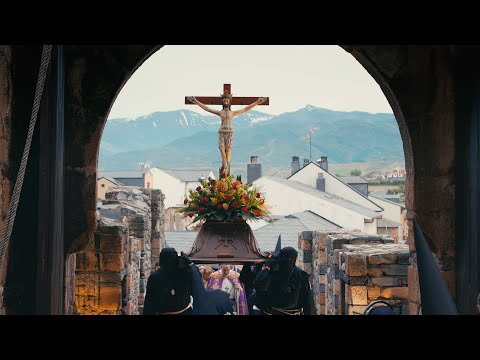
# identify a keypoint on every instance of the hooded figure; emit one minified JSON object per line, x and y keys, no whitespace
{"x":169,"y":288}
{"x":282,"y":288}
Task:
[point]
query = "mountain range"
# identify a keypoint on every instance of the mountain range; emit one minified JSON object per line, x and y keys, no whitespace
{"x":184,"y":138}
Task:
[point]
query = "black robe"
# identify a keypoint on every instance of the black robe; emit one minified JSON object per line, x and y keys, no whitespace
{"x":170,"y":287}
{"x":283,"y":285}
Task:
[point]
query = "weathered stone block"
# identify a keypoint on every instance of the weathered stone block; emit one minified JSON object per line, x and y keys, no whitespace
{"x":307,"y":267}
{"x":358,"y":280}
{"x":305,"y":245}
{"x":318,"y":288}
{"x":413,"y":285}
{"x":321,"y":310}
{"x":306,"y":235}
{"x":337,"y":286}
{"x":356,"y":295}
{"x":304,"y":256}
{"x":387,"y":281}
{"x":378,"y":259}
{"x":112,"y":243}
{"x":320,"y":298}
{"x":373,"y":293}
{"x":355,"y":309}
{"x":395,"y":293}
{"x":110,"y":277}
{"x":322,"y":279}
{"x":322,"y":258}
{"x":403,"y":258}
{"x":321,"y":241}
{"x":374,"y":271}
{"x":112,"y":262}
{"x":394,"y":269}
{"x":322,"y":269}
{"x":414,"y":309}
{"x":356,"y":264}
{"x":88,"y":261}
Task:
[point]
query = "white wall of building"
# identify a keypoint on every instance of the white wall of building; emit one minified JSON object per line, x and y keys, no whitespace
{"x":391,"y":211}
{"x":103,"y":185}
{"x":285,"y":200}
{"x":173,"y":188}
{"x":309,"y":174}
{"x":371,"y":228}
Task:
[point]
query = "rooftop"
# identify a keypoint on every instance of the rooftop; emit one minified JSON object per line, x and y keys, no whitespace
{"x":387,"y":223}
{"x":289,"y":227}
{"x":112,"y":180}
{"x":187,"y":175}
{"x":325,"y":196}
{"x":125,"y":174}
{"x":352,"y":179}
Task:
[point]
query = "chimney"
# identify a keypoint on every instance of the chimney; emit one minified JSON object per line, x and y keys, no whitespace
{"x":323,"y":163}
{"x":295,"y":164}
{"x":254,"y":170}
{"x":306,"y":162}
{"x":321,"y":182}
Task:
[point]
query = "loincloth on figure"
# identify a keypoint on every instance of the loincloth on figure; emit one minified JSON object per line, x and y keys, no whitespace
{"x":225,"y":138}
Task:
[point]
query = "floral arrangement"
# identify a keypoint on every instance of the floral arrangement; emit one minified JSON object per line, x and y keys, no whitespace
{"x":225,"y":200}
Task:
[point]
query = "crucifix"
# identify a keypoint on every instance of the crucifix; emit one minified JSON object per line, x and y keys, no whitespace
{"x":225,"y":133}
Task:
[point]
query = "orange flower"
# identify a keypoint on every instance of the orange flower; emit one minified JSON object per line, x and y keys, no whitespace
{"x":225,"y":206}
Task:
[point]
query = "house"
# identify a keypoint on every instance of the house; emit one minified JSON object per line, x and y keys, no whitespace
{"x":391,"y":228}
{"x":289,"y":196}
{"x":356,"y":182}
{"x":395,"y":174}
{"x":316,"y":175}
{"x":125,"y":177}
{"x":104,"y":184}
{"x":393,"y":212}
{"x":107,"y":179}
{"x":175,"y":183}
{"x":386,"y":194}
{"x":342,"y":201}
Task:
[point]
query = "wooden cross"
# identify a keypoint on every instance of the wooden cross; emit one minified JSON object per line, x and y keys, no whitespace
{"x":217,"y":100}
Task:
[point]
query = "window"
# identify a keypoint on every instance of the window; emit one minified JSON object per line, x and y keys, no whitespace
{"x":102,"y":185}
{"x":148,"y":185}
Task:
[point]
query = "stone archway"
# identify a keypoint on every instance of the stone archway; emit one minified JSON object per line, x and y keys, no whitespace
{"x":418,"y":81}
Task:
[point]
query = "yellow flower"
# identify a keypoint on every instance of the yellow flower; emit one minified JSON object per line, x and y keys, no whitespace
{"x":213,"y":200}
{"x":225,"y":206}
{"x":221,"y":196}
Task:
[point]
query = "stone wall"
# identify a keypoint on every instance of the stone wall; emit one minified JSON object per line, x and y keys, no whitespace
{"x":111,"y":274}
{"x":371,"y":272}
{"x":349,"y":269}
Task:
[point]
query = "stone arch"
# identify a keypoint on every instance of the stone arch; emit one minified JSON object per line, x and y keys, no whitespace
{"x":418,"y":81}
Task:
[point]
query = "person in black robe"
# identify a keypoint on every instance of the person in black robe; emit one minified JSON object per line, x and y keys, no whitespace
{"x":170,"y":288}
{"x":282,"y":288}
{"x":247,"y":278}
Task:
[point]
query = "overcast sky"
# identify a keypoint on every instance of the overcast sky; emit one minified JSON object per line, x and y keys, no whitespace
{"x":292,"y":76}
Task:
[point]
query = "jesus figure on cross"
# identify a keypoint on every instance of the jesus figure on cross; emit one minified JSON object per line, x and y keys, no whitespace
{"x":225,"y":133}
